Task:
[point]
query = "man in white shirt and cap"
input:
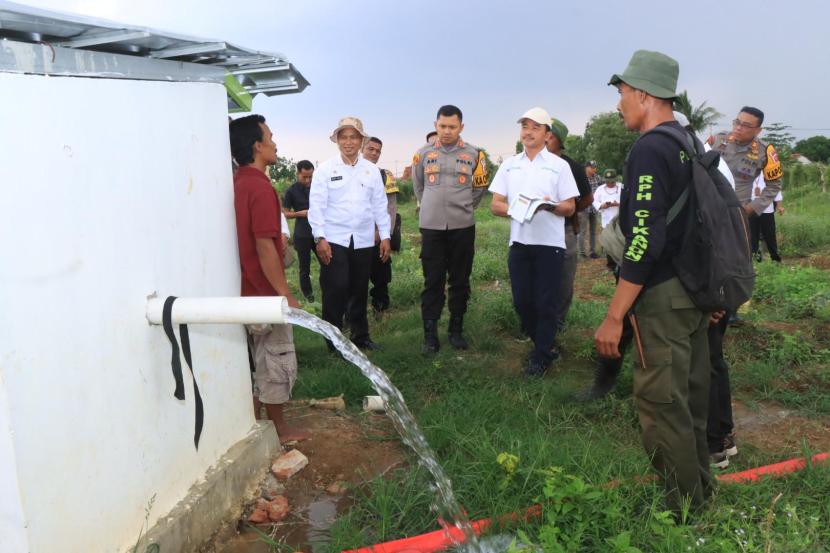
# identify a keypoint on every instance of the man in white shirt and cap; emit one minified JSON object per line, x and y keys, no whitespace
{"x":346,"y":202}
{"x":537,"y":245}
{"x":607,"y":197}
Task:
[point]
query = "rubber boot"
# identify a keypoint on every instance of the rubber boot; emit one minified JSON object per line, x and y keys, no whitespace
{"x":605,"y":378}
{"x":431,"y":343}
{"x":456,"y":328}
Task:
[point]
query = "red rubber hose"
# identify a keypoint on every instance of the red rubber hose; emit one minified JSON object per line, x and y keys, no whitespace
{"x":440,"y":540}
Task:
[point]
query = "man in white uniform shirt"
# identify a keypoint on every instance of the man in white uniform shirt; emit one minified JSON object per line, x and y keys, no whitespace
{"x":346,"y":201}
{"x":537,"y":246}
{"x":607,"y":197}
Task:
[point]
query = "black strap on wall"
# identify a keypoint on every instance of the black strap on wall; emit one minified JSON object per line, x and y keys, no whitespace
{"x":176,"y":364}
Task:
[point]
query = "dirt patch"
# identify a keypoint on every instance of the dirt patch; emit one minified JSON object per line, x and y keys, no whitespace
{"x":493,"y":286}
{"x":589,"y":272}
{"x":346,"y":451}
{"x":819,"y":261}
{"x":775,"y":429}
{"x":786,"y":328}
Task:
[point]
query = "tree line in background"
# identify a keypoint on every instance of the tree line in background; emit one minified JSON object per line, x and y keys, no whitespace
{"x":607,"y":141}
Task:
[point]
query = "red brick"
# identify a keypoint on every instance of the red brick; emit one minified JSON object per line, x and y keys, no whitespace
{"x":278,"y":509}
{"x":258,"y":516}
{"x":289,"y":464}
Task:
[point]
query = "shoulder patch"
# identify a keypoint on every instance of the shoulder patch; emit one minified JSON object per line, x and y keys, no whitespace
{"x":480,"y":172}
{"x":772,"y":169}
{"x":416,"y":159}
{"x":391,"y":182}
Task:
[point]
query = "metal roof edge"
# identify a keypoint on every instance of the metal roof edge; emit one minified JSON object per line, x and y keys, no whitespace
{"x":44,"y":59}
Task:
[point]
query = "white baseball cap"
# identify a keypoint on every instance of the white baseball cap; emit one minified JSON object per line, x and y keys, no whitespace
{"x":539,"y":115}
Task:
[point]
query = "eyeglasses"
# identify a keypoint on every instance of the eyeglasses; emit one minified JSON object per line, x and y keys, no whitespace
{"x":743,"y":124}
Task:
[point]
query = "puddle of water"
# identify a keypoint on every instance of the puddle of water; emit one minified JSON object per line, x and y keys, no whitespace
{"x":321,"y":514}
{"x":311,"y":533}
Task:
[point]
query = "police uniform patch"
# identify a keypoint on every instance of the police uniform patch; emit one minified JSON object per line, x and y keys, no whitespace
{"x":462,"y":179}
{"x":432,"y":168}
{"x":391,"y":183}
{"x":432,"y":179}
{"x":772,"y":170}
{"x":432,"y":155}
{"x":416,"y":159}
{"x":464,"y":156}
{"x":480,"y":173}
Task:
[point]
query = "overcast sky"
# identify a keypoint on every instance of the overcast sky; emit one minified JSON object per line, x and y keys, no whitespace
{"x":393,"y":63}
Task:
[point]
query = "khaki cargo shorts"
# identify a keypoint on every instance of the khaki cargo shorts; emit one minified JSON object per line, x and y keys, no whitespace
{"x":275,"y":362}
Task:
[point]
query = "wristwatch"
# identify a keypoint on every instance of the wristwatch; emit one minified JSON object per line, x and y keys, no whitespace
{"x":317,"y":240}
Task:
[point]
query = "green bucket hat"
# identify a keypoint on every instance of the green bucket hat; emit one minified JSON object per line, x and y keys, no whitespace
{"x":559,"y":130}
{"x":652,"y":72}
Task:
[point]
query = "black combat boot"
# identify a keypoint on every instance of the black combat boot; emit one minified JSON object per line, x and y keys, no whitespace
{"x":431,"y":343}
{"x":605,"y":378}
{"x":456,"y":328}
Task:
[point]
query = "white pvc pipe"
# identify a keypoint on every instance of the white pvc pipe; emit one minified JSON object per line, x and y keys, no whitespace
{"x":374,"y":403}
{"x":236,"y":310}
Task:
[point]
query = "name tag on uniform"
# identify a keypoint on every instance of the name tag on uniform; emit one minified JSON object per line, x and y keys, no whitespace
{"x":340,"y":177}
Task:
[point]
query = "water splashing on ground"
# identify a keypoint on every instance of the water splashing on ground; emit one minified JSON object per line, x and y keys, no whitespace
{"x":446,"y":504}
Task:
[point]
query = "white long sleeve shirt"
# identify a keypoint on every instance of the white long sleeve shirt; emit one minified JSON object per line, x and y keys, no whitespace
{"x":346,"y":202}
{"x":604,"y":194}
{"x":758,"y":187}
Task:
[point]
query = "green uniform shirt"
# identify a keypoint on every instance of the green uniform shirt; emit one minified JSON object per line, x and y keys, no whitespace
{"x":746,"y":161}
{"x":449,"y":183}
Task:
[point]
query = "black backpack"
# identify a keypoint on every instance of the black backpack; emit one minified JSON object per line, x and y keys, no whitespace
{"x":714,"y":262}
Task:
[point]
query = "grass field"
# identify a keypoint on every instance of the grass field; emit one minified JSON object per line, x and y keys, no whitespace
{"x":474,"y":406}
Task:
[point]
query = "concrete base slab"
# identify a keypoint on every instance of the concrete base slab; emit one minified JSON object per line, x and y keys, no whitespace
{"x":221,"y":497}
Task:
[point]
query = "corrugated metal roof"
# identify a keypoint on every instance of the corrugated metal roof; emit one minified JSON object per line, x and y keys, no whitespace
{"x":257,"y":72}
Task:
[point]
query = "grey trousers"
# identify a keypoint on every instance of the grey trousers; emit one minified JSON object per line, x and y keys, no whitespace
{"x":566,"y":289}
{"x":588,"y":225}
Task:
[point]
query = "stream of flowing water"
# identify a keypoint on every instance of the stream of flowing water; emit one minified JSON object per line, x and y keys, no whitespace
{"x":446,"y":505}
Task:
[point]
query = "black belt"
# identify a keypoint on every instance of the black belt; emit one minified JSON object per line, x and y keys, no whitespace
{"x":176,"y":364}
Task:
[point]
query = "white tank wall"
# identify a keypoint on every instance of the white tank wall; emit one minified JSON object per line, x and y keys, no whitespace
{"x":112,"y":189}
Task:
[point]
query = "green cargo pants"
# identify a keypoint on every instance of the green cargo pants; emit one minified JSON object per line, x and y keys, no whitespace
{"x":671,"y":390}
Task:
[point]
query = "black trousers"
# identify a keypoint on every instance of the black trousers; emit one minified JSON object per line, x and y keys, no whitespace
{"x":345,"y":282}
{"x":763,"y":226}
{"x":446,"y":256}
{"x":304,"y":247}
{"x":380,"y":276}
{"x":535,"y":279}
{"x":720,"y":422}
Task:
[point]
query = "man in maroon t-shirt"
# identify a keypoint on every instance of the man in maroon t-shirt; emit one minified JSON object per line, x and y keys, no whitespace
{"x":260,"y":255}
